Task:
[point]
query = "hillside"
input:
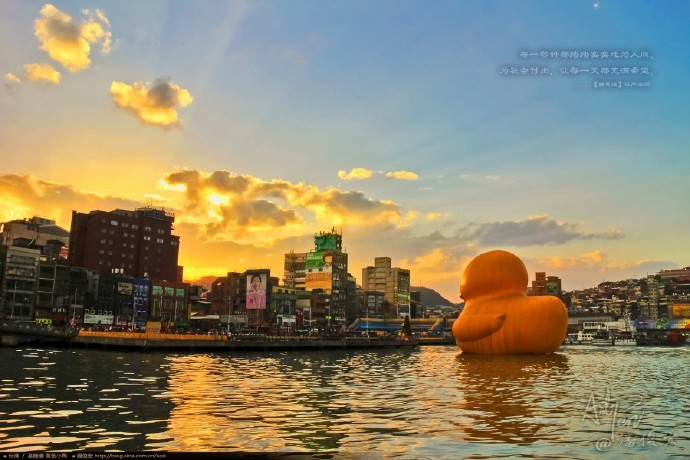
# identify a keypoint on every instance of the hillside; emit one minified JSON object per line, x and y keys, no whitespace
{"x":430,"y":297}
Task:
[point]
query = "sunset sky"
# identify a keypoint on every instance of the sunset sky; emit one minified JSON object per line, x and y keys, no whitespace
{"x":428,"y":132}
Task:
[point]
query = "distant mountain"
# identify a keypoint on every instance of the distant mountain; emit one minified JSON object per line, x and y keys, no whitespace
{"x":431,"y":298}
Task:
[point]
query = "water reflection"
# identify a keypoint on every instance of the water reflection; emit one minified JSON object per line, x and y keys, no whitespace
{"x":510,"y":398}
{"x":431,"y":402}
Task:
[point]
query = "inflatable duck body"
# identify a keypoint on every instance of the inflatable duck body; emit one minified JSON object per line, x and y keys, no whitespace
{"x":499,"y":317}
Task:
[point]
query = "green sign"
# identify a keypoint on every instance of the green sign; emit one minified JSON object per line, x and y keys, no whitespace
{"x":315,"y":259}
{"x":328,"y":242}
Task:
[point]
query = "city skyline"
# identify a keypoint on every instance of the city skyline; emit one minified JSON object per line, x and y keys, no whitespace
{"x":427,"y":133}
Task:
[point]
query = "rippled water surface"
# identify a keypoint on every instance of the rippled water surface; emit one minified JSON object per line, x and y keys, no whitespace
{"x":428,"y":402}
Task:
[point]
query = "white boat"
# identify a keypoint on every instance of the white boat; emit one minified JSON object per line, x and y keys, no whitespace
{"x":578,"y":338}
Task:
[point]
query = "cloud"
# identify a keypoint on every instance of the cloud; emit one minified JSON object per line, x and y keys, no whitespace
{"x":42,"y":73}
{"x":12,"y":78}
{"x":536,"y":230}
{"x":24,"y":196}
{"x":223,"y":201}
{"x":436,"y":215}
{"x":154,"y":104}
{"x":356,"y":173}
{"x":364,"y":173}
{"x":402,"y":175}
{"x":69,"y":41}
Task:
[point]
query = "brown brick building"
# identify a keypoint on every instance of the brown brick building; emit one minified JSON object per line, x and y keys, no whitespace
{"x":140,"y":243}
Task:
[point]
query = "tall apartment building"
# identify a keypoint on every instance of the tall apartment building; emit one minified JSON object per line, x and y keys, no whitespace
{"x":326,"y":269}
{"x":394,"y":282}
{"x":546,"y":285}
{"x":136,"y":243}
{"x":19,"y":274}
{"x":294,"y":275}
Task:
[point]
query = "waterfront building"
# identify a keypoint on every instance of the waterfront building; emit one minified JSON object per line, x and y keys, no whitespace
{"x":394,"y":282}
{"x":227,"y":299}
{"x":39,"y":233}
{"x":327,"y":269}
{"x":169,"y":304}
{"x":295,"y":271}
{"x":372,"y":304}
{"x":18,"y":281}
{"x":140,"y":243}
{"x":62,"y":292}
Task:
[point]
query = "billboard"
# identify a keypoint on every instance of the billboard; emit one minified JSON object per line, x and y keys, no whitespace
{"x":124,"y":288}
{"x":680,"y":310}
{"x":256,"y":291}
{"x":315,"y":259}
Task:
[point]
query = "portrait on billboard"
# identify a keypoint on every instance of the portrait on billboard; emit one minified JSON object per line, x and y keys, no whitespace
{"x":256,"y":291}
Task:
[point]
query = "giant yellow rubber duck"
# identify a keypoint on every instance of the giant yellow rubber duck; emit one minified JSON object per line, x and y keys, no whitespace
{"x":499,"y":317}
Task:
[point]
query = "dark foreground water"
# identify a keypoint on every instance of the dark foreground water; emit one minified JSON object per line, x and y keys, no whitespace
{"x":429,"y":402}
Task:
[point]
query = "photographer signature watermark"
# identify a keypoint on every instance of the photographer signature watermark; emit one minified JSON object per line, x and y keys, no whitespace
{"x":623,"y":421}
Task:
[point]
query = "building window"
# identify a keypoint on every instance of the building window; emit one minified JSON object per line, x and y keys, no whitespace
{"x":103,"y":230}
{"x":113,"y":222}
{"x":147,"y":238}
{"x":159,"y":240}
{"x":101,"y":251}
{"x":147,"y":229}
{"x":135,"y":227}
{"x":125,"y":235}
{"x":102,"y":241}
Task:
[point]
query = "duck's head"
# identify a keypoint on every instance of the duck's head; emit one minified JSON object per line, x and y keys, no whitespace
{"x":493,"y":272}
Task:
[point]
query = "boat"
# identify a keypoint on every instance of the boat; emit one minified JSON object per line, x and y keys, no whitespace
{"x":578,"y":338}
{"x":238,"y":342}
{"x":624,"y":338}
{"x":602,"y":338}
{"x":660,"y":338}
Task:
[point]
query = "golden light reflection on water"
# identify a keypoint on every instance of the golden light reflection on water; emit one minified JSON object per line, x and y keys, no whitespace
{"x":512,"y":397}
{"x":431,"y":402}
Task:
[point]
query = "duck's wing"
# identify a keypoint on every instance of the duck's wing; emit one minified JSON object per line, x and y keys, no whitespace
{"x":477,"y":326}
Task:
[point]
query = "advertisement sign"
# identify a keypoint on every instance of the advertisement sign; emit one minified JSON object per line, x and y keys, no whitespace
{"x":90,"y":318}
{"x":680,"y":310}
{"x":124,"y":288}
{"x":314,"y":259}
{"x":256,"y":291}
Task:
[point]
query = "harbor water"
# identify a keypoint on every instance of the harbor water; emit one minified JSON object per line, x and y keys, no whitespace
{"x":426,"y":402}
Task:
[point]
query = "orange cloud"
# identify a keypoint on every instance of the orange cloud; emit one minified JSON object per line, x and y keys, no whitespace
{"x":223,"y":201}
{"x":154,"y":104}
{"x":402,"y":175}
{"x":364,"y":173}
{"x":42,"y":73}
{"x":25,"y":196}
{"x":68,"y":41}
{"x":356,"y":173}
